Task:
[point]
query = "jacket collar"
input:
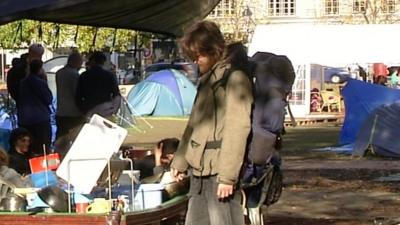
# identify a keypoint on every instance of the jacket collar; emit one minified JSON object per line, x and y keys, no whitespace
{"x":214,"y":73}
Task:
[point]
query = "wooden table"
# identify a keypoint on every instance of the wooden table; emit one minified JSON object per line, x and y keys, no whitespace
{"x":168,"y":213}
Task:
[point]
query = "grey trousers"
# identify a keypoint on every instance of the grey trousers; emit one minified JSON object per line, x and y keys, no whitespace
{"x":206,"y":209}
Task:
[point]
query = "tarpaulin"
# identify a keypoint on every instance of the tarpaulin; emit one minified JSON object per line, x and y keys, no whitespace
{"x":158,"y":16}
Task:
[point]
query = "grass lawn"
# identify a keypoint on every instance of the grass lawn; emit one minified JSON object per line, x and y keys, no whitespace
{"x":297,"y":142}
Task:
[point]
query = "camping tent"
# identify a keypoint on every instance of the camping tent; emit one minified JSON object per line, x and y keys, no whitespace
{"x":168,"y":17}
{"x":164,"y":93}
{"x":380,"y":130}
{"x":360,"y":100}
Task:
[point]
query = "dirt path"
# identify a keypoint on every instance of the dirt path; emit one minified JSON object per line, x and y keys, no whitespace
{"x":337,"y":192}
{"x":330,"y":188}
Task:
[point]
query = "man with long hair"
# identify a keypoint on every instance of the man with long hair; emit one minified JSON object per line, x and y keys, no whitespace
{"x":213,"y":145}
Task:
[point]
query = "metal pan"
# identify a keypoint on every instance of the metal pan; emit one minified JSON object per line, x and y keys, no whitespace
{"x":55,"y":197}
{"x":13,"y":203}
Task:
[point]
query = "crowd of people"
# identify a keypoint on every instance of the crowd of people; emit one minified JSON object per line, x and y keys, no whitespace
{"x":78,"y":97}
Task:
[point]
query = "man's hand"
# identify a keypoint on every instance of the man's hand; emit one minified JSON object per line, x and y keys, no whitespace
{"x":176,"y":175}
{"x":224,"y":190}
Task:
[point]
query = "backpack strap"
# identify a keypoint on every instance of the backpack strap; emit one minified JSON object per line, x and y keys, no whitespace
{"x":224,"y":79}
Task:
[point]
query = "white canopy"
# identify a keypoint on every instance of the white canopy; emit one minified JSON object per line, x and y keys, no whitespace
{"x":332,"y":45}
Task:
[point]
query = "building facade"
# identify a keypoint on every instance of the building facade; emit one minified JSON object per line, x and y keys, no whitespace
{"x":238,"y":18}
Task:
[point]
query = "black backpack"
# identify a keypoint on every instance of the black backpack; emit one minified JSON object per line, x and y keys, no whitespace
{"x":280,"y":66}
{"x":272,"y":77}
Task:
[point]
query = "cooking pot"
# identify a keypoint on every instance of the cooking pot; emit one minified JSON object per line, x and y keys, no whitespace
{"x":176,"y":188}
{"x":13,"y":203}
{"x":55,"y":197}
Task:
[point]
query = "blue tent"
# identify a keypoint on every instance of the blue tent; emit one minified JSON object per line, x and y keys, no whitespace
{"x":380,"y":130}
{"x":164,"y":93}
{"x":360,"y":99}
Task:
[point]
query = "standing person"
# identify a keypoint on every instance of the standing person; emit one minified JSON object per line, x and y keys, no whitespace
{"x":362,"y":73}
{"x":20,"y":139}
{"x":15,"y":75}
{"x":394,"y":79}
{"x":68,"y":115}
{"x":398,"y":79}
{"x":33,"y":108}
{"x":213,"y":145}
{"x":97,"y":90}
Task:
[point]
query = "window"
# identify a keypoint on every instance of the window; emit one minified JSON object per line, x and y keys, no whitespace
{"x":331,"y":7}
{"x":299,"y":86}
{"x":281,"y":7}
{"x":388,"y":6}
{"x":224,"y":8}
{"x":359,"y":6}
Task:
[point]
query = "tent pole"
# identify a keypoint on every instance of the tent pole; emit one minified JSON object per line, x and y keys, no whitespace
{"x":139,"y":117}
{"x":371,"y":137}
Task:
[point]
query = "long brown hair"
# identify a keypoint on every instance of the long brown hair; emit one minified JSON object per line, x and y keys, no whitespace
{"x":236,"y":55}
{"x":3,"y":158}
{"x":203,"y":38}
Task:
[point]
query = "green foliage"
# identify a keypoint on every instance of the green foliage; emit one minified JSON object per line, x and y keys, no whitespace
{"x":21,"y":33}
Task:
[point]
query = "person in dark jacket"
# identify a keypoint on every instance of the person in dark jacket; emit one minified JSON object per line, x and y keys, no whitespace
{"x":15,"y":75}
{"x":33,"y":108}
{"x":97,"y":91}
{"x":20,"y":139}
{"x":9,"y":175}
{"x":19,"y":72}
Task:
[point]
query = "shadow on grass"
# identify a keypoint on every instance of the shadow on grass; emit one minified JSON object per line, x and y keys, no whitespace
{"x":300,"y":141}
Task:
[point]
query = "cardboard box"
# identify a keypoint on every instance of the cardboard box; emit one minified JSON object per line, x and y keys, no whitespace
{"x":38,"y":164}
{"x":148,"y":196}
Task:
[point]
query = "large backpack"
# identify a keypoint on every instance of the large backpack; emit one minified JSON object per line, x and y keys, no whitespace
{"x":273,"y":77}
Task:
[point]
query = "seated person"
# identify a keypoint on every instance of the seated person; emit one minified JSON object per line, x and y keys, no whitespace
{"x":316,"y":100}
{"x":9,"y":175}
{"x":20,"y":139}
{"x":159,"y":161}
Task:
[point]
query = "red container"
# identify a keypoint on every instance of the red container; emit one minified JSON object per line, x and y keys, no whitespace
{"x":38,"y":164}
{"x":380,"y":69}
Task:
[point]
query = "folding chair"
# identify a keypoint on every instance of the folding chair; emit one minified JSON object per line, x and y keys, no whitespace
{"x":331,"y":100}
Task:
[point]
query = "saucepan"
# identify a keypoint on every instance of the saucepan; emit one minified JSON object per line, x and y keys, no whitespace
{"x":177,"y":188}
{"x":55,"y":197}
{"x":13,"y":203}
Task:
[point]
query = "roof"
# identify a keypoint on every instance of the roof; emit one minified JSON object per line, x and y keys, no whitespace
{"x":158,"y":16}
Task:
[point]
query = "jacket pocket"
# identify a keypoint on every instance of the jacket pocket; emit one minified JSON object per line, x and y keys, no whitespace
{"x":195,"y":149}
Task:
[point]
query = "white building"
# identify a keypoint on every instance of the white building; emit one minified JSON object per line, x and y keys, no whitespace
{"x":328,"y":45}
{"x":318,"y":32}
